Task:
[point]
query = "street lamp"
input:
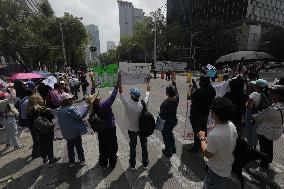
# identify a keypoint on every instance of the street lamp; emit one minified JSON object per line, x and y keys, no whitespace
{"x":192,"y":36}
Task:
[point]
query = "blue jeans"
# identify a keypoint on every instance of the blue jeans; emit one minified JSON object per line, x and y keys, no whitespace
{"x":250,"y":129}
{"x":169,"y":140}
{"x":133,"y":142}
{"x":213,"y":181}
{"x":75,"y":143}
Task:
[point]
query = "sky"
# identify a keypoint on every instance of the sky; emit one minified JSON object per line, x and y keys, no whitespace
{"x":103,"y":13}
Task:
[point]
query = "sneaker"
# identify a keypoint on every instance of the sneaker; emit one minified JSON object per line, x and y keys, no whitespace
{"x":145,"y":167}
{"x":71,"y":165}
{"x":44,"y":161}
{"x":54,"y":161}
{"x":82,"y":163}
{"x":132,"y":168}
{"x":18,"y":147}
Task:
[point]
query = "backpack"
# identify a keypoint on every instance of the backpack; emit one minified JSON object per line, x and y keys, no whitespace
{"x":243,"y":154}
{"x":43,"y":125}
{"x":146,"y":122}
{"x":98,"y":124}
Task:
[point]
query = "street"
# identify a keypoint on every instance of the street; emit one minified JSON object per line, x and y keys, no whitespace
{"x":185,"y":170}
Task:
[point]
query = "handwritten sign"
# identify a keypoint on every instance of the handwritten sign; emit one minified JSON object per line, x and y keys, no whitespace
{"x":105,"y":76}
{"x":171,"y":66}
{"x":134,"y":73}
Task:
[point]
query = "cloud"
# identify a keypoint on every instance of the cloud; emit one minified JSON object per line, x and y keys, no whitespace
{"x":103,"y":13}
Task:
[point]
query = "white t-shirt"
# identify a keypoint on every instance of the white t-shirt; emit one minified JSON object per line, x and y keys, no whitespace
{"x":221,"y":142}
{"x":133,"y":111}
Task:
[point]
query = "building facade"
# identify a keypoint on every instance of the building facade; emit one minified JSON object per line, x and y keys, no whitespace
{"x":110,"y":45}
{"x":33,"y":5}
{"x":94,"y":39}
{"x":251,"y":18}
{"x":179,"y":11}
{"x":128,"y":16}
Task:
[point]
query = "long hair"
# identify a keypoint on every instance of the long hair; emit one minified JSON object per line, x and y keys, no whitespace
{"x":34,"y":100}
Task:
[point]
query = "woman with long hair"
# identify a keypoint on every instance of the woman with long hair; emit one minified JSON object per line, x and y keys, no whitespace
{"x":35,"y":110}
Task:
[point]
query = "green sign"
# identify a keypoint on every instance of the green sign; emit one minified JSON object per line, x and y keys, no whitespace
{"x":105,"y":76}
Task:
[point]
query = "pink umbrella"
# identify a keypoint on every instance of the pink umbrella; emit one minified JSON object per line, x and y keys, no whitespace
{"x":20,"y":76}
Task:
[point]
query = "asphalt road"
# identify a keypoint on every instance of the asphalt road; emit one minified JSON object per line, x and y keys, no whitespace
{"x":185,"y":170}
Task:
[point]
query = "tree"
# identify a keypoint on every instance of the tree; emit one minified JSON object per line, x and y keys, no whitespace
{"x":109,"y":57}
{"x":274,"y":43}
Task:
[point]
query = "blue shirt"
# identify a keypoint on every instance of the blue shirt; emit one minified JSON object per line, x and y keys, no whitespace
{"x":23,"y":107}
{"x":71,"y":122}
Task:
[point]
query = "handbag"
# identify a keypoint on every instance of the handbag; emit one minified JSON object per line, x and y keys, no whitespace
{"x":160,"y":123}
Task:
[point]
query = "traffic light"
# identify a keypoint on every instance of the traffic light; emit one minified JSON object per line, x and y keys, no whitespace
{"x":93,"y":49}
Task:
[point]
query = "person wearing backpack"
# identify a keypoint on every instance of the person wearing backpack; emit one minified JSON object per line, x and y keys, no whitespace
{"x":218,"y":147}
{"x":168,"y":112}
{"x":37,"y":112}
{"x":72,"y":127}
{"x":269,"y":125}
{"x":107,"y":136}
{"x":133,"y":109}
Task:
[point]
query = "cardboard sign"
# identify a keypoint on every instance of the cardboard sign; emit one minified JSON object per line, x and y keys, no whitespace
{"x":171,"y":66}
{"x":134,"y":73}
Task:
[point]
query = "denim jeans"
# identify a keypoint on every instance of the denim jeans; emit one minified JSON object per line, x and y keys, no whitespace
{"x":250,"y":129}
{"x":133,"y":142}
{"x":169,"y":139}
{"x":213,"y":181}
{"x":75,"y":143}
{"x":10,"y":126}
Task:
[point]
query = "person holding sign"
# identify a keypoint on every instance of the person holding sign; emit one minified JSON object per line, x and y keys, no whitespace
{"x":168,"y":112}
{"x":133,"y":109}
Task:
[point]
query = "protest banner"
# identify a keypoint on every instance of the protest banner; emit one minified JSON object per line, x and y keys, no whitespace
{"x":171,"y":66}
{"x":134,"y":73}
{"x":105,"y":76}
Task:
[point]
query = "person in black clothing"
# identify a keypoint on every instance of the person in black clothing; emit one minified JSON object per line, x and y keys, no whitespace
{"x":34,"y":110}
{"x":168,"y":112}
{"x":84,"y":84}
{"x":239,"y":98}
{"x":201,"y":101}
{"x":43,"y":90}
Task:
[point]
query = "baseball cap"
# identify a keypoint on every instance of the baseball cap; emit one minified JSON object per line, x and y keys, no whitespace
{"x":260,"y":83}
{"x":65,"y":96}
{"x":135,"y":92}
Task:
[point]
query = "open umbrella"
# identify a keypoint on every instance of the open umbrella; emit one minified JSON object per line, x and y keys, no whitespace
{"x":246,"y":55}
{"x":50,"y":81}
{"x":21,"y":76}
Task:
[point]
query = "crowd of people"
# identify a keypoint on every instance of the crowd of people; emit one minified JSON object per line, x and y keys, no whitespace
{"x":251,"y":108}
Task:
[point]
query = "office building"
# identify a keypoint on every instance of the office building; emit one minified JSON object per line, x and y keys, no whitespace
{"x":179,"y":11}
{"x":110,"y":45}
{"x":33,"y":5}
{"x":94,"y":39}
{"x":128,"y":16}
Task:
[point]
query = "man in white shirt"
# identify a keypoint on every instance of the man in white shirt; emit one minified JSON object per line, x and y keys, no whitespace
{"x":133,"y":109}
{"x":219,"y":146}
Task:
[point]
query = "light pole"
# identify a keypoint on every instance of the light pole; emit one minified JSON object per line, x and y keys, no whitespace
{"x":155,"y":32}
{"x":192,"y":36}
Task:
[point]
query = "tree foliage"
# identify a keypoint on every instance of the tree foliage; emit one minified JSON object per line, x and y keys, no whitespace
{"x":33,"y":38}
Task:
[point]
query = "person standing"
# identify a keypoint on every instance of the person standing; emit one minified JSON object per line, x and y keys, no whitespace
{"x":74,"y":82}
{"x":168,"y":112}
{"x":53,"y":98}
{"x":201,"y":101}
{"x":107,"y":138}
{"x":26,"y":122}
{"x":35,"y":110}
{"x":270,"y":124}
{"x":133,"y":109}
{"x":218,"y":147}
{"x":84,"y":84}
{"x":72,"y":127}
{"x":8,"y":114}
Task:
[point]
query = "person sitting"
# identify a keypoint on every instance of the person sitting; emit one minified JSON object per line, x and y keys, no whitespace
{"x":218,"y":147}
